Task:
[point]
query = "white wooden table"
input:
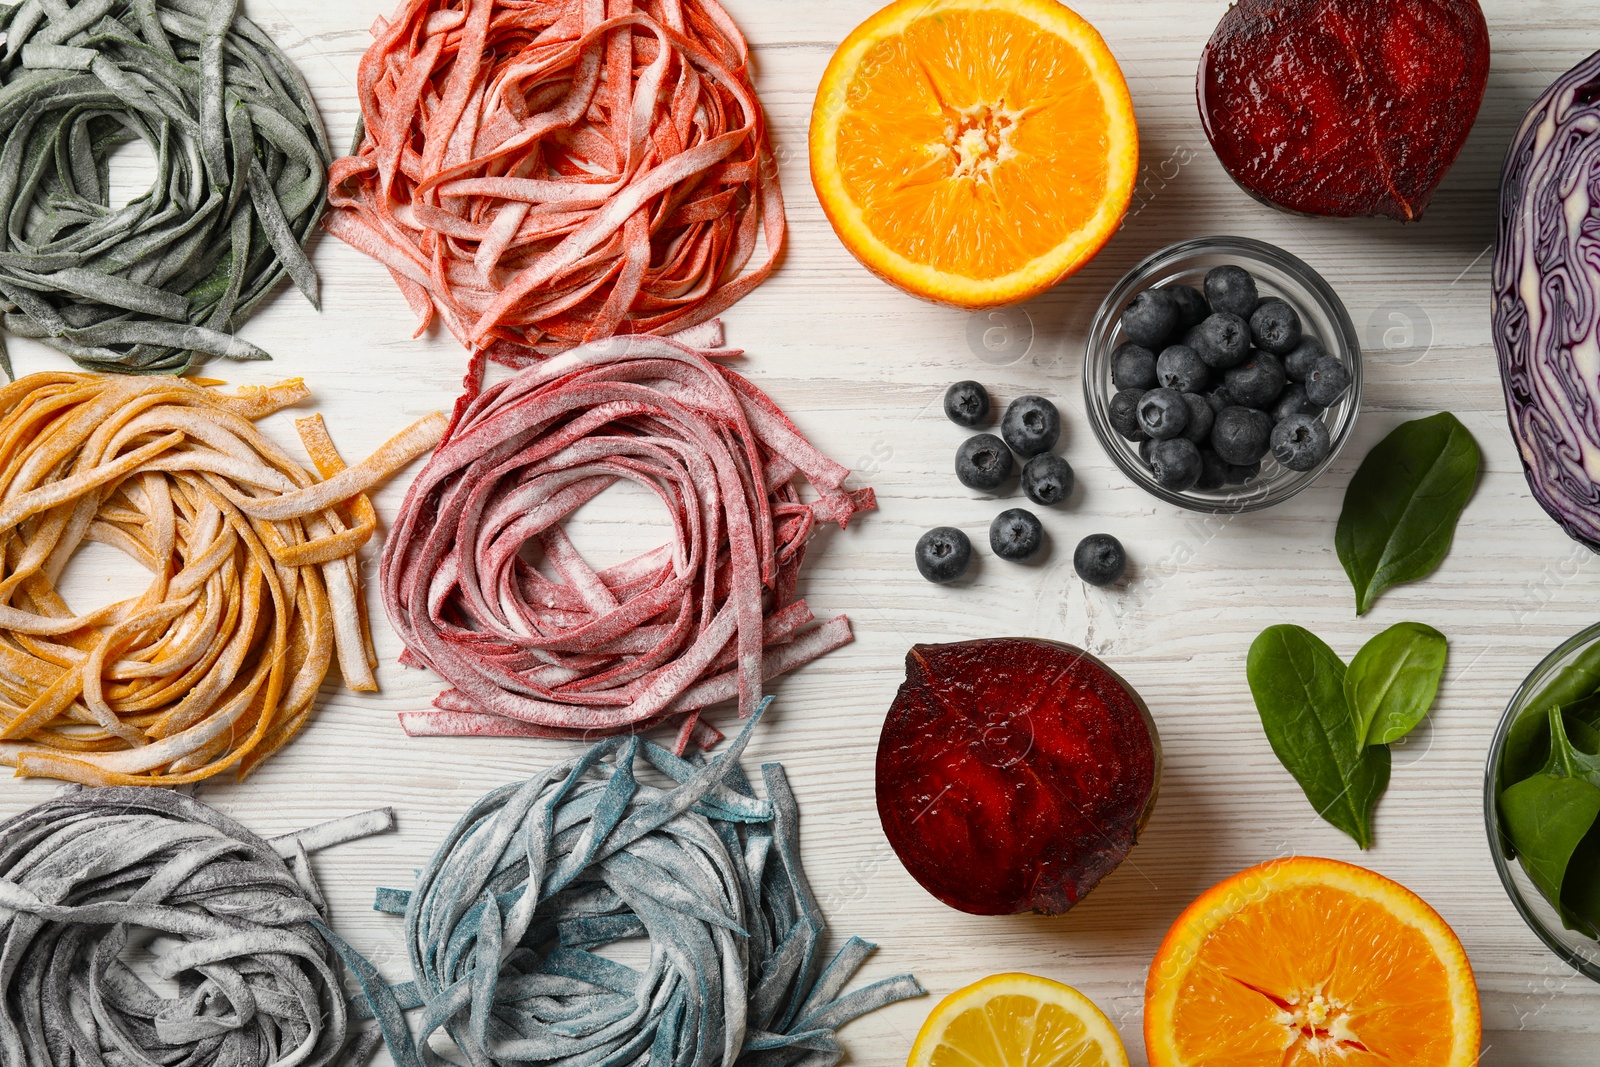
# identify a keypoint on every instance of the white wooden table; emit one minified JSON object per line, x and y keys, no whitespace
{"x":860,"y":368}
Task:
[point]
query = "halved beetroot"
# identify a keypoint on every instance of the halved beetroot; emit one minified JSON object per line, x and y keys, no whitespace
{"x":1014,"y":774}
{"x":1344,"y":107}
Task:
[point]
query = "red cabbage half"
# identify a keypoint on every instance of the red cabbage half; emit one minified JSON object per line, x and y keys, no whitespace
{"x":1547,"y":298}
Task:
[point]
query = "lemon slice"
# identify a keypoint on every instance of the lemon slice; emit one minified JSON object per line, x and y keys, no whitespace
{"x":1017,"y":1020}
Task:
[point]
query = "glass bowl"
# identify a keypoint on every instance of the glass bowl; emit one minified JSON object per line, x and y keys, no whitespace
{"x":1277,"y":273}
{"x":1576,"y":949}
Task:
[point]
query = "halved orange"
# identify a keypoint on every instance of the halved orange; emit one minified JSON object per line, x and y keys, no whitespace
{"x":1017,"y":1020}
{"x":1309,"y":962}
{"x":974,"y":152}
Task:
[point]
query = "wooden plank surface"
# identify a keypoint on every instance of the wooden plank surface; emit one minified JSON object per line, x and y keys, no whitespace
{"x":860,"y":367}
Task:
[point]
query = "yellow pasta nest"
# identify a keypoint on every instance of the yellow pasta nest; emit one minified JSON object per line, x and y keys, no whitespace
{"x":254,"y":584}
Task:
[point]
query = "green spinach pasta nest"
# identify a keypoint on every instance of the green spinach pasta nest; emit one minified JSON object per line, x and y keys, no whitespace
{"x":162,"y":282}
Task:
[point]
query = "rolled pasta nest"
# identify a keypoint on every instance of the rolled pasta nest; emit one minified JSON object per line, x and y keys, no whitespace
{"x":254,"y":582}
{"x":543,"y":173}
{"x":241,"y":160}
{"x":92,"y":880}
{"x":511,"y":923}
{"x":709,"y":616}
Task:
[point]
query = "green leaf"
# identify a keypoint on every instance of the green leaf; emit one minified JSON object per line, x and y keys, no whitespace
{"x":1401,"y":508}
{"x":1298,"y":685}
{"x":1548,"y":819}
{"x":1566,"y":760}
{"x":1393,"y":681}
{"x":1580,"y":889}
{"x":1576,"y":690}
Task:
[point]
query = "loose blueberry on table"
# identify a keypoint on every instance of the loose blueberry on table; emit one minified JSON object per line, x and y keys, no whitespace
{"x":1047,"y":479}
{"x":983,"y":463}
{"x":1031,"y":425}
{"x":1016,"y":535}
{"x":943,"y":554}
{"x":1100,"y":559}
{"x":967,"y":404}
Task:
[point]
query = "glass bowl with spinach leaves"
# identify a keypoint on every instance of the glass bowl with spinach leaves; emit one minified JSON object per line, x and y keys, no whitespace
{"x":1541,"y":801}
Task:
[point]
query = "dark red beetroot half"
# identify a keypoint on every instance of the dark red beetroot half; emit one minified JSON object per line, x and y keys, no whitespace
{"x":1014,"y":774}
{"x":1344,"y":107}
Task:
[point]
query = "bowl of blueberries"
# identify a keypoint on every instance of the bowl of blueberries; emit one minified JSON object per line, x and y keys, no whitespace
{"x":1223,"y":375}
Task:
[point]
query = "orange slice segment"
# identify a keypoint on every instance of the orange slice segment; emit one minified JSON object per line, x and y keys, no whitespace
{"x":1017,"y":1020}
{"x":974,"y":152}
{"x":1307,"y":963}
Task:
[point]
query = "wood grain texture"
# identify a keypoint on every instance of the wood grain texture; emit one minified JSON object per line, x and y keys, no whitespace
{"x":860,"y":368}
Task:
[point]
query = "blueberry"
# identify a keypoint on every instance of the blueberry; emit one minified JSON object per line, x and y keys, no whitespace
{"x":1300,"y":442}
{"x":983,"y":462}
{"x":1016,"y":534}
{"x":1220,"y":398}
{"x":1298,"y":363}
{"x":1213,"y":471}
{"x":1100,"y":559}
{"x":1241,"y":435}
{"x":1294,"y":402}
{"x":1231,"y":289}
{"x":1133,"y":367}
{"x":943,"y":554}
{"x":1275,"y":326}
{"x":1047,"y":479}
{"x":1123,"y":414}
{"x":1258,"y":382}
{"x":1144,"y":450}
{"x":1031,"y":425}
{"x":1201,"y":418}
{"x":1150,"y":318}
{"x":1327,"y":381}
{"x":1192,"y":309}
{"x":967,"y":404}
{"x":1163,"y":414}
{"x":1181,"y":369}
{"x":1222,"y":341}
{"x":1239,"y":473}
{"x":1175,"y":464}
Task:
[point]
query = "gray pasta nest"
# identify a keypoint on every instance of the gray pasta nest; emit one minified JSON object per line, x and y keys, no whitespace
{"x":508,"y":922}
{"x":241,"y":159}
{"x":99,"y":879}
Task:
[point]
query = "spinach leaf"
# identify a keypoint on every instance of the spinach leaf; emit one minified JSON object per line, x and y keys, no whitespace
{"x":1393,"y":681}
{"x":1548,"y":817}
{"x":1298,"y":685}
{"x":1584,"y":738}
{"x":1580,"y":889}
{"x":1566,"y":761}
{"x":1576,"y":690}
{"x":1401,"y":508}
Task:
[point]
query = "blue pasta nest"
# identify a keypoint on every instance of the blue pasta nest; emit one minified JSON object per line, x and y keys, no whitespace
{"x":505,"y":924}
